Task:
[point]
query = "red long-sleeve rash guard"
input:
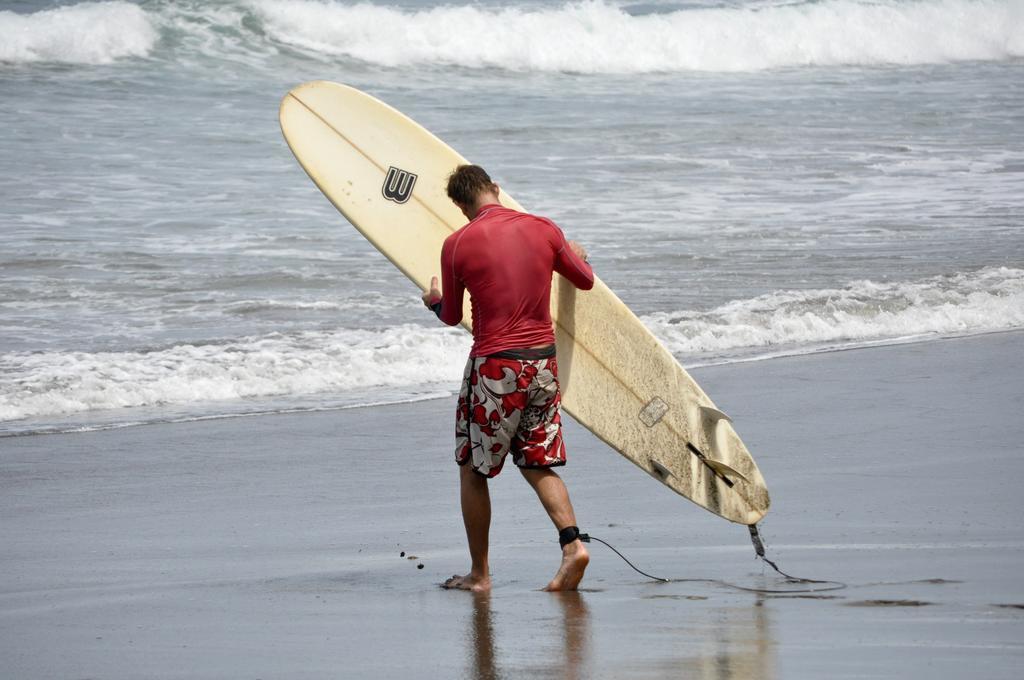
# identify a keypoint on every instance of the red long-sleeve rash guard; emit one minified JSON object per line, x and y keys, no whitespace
{"x":505,"y":259}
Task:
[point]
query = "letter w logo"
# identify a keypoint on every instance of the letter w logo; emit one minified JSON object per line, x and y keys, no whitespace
{"x":398,"y":185}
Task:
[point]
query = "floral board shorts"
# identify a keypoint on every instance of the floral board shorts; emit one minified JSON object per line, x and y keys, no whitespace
{"x":507,"y":405}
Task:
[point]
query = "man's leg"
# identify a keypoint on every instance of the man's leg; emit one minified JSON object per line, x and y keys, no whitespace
{"x":555,"y":498}
{"x":476,"y":515}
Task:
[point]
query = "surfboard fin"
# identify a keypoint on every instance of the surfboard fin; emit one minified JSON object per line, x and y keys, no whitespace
{"x":724,"y":472}
{"x":662,"y":471}
{"x":715,"y":414}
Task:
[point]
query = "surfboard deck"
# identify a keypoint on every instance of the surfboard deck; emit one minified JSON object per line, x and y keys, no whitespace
{"x":386,"y":174}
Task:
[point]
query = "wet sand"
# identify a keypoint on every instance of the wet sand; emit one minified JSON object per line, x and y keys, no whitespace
{"x":269,"y":547}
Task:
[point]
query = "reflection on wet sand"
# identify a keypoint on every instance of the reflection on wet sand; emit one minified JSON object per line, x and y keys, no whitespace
{"x":481,"y":638}
{"x":740,"y":645}
{"x":572,"y":663}
{"x":729,"y":643}
{"x":560,"y":641}
{"x":576,"y":635}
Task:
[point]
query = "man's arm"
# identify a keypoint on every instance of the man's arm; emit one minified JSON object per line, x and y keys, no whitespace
{"x":571,"y":261}
{"x":447,"y":305}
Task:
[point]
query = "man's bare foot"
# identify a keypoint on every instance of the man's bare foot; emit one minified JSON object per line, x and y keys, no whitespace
{"x":468,"y":582}
{"x":575,"y":559}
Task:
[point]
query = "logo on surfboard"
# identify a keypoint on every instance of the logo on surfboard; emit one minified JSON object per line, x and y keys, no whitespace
{"x":398,"y":185}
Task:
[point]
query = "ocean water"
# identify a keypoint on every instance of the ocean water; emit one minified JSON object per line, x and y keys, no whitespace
{"x":753,"y":178}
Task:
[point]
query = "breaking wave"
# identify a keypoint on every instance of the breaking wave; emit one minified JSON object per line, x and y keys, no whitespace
{"x":88,"y":33}
{"x":861,"y":313}
{"x":579,"y":37}
{"x":411,"y":357}
{"x":600,"y":37}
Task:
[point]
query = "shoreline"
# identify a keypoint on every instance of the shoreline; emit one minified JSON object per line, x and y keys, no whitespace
{"x":795,"y":354}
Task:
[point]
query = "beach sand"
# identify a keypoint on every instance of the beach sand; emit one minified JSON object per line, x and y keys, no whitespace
{"x":269,"y":546}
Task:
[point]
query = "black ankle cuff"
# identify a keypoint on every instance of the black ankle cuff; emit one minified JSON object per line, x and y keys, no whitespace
{"x":568,"y":535}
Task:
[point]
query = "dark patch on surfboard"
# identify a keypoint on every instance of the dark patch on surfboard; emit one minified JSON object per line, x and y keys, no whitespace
{"x":889,"y":603}
{"x":714,"y":500}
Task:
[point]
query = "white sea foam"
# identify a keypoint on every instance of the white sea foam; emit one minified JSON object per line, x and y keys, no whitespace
{"x":87,"y":33}
{"x":860,"y":313}
{"x":258,"y":306}
{"x":55,"y":383}
{"x":50,"y":384}
{"x":599,"y":37}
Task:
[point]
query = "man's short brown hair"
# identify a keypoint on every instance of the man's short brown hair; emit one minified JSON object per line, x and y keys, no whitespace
{"x":467,"y":182}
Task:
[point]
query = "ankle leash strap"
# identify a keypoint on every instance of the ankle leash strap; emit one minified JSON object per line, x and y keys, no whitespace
{"x":570,"y":534}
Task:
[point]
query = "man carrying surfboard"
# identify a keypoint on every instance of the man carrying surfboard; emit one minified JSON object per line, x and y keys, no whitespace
{"x":509,"y":400}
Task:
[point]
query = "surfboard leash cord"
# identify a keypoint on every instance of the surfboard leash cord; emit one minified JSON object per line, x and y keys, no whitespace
{"x":755,"y":538}
{"x":587,"y":538}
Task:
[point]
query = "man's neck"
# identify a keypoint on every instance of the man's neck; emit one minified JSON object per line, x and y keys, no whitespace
{"x":482,"y":202}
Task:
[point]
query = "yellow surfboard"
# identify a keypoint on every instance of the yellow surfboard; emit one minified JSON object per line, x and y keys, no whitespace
{"x":387,"y":174}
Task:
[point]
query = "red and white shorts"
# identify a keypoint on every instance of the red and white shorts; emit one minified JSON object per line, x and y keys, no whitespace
{"x":509,"y":405}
